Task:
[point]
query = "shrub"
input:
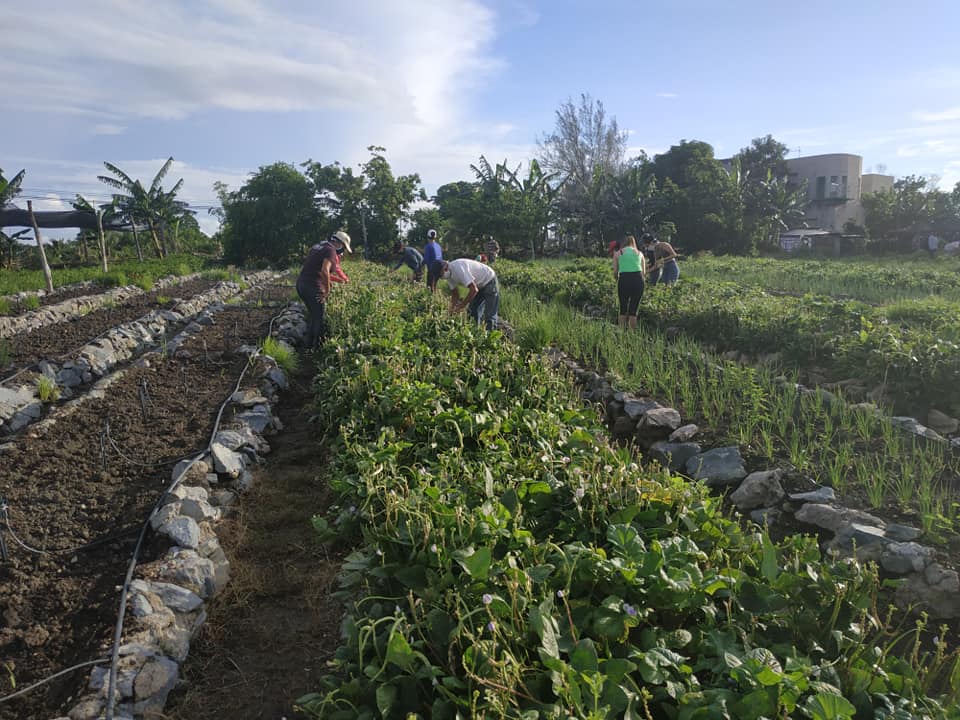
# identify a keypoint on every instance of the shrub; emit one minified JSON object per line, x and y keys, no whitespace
{"x":4,"y":306}
{"x":30,"y":302}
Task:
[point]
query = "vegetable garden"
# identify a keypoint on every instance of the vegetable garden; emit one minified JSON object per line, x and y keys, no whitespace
{"x":505,"y":554}
{"x":509,"y":561}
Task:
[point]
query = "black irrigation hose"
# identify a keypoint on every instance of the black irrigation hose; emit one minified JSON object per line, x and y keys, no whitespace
{"x":28,"y":688}
{"x":118,"y":629}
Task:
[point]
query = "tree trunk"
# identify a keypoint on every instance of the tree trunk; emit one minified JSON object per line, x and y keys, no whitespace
{"x":136,"y":239}
{"x":176,"y":236}
{"x":157,"y":248}
{"x":83,"y":246}
{"x":48,"y":276}
{"x":102,"y":241}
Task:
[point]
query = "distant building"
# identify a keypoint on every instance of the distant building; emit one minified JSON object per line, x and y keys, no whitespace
{"x":835,"y":183}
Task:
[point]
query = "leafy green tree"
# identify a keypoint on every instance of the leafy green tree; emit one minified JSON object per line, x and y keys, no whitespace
{"x":765,"y":159}
{"x":699,"y":197}
{"x":370,"y":205}
{"x":10,"y":244}
{"x":421,"y":220}
{"x":905,"y":208}
{"x":272,"y":217}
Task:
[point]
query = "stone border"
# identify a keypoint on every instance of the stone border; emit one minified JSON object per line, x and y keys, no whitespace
{"x":75,"y":307}
{"x":20,"y":405}
{"x":167,"y":602}
{"x":844,"y":533}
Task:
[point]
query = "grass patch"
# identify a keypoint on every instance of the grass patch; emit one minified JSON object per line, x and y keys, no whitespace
{"x":47,"y":389}
{"x":5,"y":353}
{"x":285,"y":356}
{"x":114,"y":278}
{"x":4,"y":306}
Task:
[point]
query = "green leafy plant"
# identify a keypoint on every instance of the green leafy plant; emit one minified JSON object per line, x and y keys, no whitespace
{"x":507,"y":561}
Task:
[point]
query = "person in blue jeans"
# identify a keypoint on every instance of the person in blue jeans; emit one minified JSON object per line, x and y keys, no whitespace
{"x":483,"y":289}
{"x":665,"y":258}
{"x":432,"y":254}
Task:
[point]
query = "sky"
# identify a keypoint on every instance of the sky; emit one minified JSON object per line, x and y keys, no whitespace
{"x":228,"y":86}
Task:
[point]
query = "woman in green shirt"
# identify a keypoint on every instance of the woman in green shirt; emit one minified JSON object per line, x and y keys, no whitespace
{"x":628,"y":265}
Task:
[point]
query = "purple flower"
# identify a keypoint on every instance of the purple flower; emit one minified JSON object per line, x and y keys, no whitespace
{"x":487,"y":598}
{"x":630,"y":610}
{"x":560,"y":594}
{"x":491,"y":626}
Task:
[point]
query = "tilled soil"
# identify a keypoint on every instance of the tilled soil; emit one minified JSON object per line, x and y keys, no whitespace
{"x":54,"y":341}
{"x":94,"y":474}
{"x":268,"y":638}
{"x":17,"y":307}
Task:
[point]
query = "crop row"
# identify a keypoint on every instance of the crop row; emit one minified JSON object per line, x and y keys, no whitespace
{"x":874,"y":281}
{"x":911,"y":350}
{"x":509,"y":562}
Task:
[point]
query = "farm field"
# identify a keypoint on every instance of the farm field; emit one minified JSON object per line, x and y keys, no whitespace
{"x":54,"y":341}
{"x":905,"y":354}
{"x":77,"y":487}
{"x":503,"y":553}
{"x":874,"y":280}
{"x":508,"y":559}
{"x":76,"y":282}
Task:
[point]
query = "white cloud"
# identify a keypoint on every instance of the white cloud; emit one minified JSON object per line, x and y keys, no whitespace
{"x":108,"y":129}
{"x":667,"y":95}
{"x":405,"y":60}
{"x":947,"y":115}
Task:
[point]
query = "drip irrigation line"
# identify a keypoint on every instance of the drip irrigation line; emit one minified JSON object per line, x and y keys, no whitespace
{"x":5,"y":519}
{"x":118,"y":629}
{"x":28,"y":688}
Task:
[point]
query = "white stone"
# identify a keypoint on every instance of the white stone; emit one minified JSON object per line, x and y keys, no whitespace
{"x":182,"y":531}
{"x":758,"y":489}
{"x":226,"y":461}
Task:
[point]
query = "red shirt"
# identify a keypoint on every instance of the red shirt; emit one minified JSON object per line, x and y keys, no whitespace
{"x":312,"y":266}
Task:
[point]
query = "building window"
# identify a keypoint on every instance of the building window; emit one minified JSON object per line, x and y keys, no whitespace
{"x":834,"y":186}
{"x":821,"y":187}
{"x":843,"y":187}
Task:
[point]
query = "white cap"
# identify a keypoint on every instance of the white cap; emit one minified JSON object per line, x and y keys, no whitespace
{"x":432,"y":234}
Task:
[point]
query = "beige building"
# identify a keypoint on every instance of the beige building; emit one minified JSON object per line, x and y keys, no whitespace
{"x":835,"y":184}
{"x":872,"y":182}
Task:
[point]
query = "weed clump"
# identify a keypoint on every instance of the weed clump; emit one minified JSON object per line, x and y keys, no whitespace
{"x":285,"y":356}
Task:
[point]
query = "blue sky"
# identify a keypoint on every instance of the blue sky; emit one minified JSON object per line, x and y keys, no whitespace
{"x":225,"y":86}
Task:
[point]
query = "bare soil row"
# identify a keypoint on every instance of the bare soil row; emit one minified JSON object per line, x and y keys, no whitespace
{"x":95,"y":475}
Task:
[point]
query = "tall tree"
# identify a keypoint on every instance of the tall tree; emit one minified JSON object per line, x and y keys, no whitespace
{"x":272,"y":217}
{"x":370,"y":205}
{"x":150,"y":205}
{"x":764,"y":159}
{"x":586,"y":149}
{"x":699,"y":197}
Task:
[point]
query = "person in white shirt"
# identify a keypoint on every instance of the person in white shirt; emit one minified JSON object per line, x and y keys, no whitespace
{"x":483,"y":289}
{"x":933,"y":244}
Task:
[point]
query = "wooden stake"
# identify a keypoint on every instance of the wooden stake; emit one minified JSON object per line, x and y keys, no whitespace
{"x":43,"y":256}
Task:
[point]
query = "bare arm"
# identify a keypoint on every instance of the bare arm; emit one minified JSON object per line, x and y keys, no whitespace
{"x":324,"y":281}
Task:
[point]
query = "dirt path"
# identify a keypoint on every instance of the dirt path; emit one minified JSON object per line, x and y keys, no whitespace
{"x":269,"y":635}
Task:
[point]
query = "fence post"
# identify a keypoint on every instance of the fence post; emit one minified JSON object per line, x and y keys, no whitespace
{"x":43,"y":256}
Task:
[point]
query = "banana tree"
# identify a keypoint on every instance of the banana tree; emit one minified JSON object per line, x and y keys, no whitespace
{"x":81,"y":203}
{"x":140,"y":203}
